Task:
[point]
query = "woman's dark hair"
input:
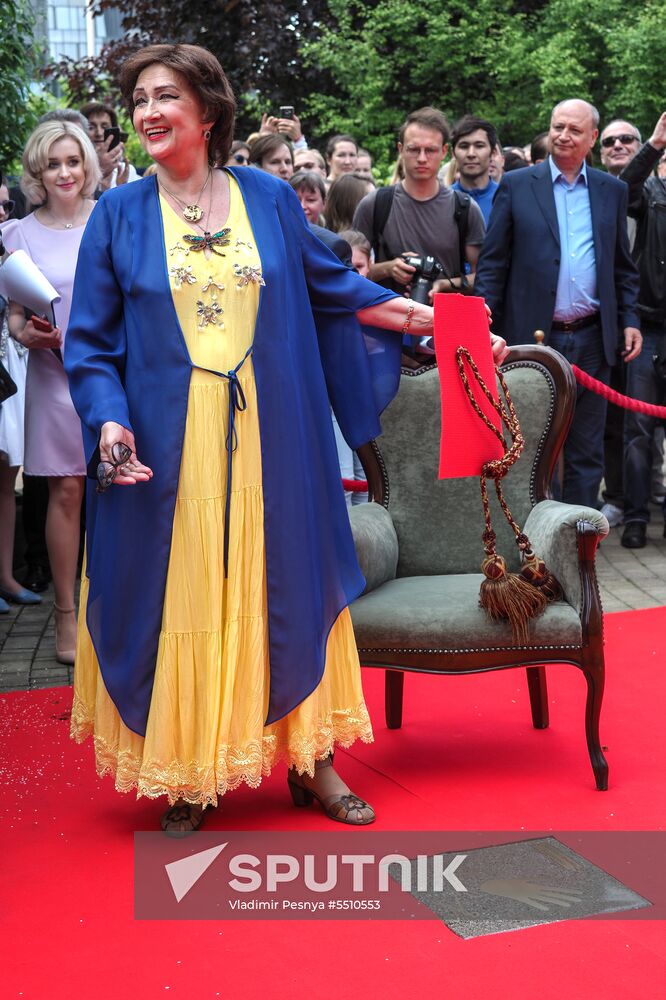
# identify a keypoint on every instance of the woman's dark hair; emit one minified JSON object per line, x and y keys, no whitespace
{"x":332,"y":143}
{"x":513,"y":160}
{"x":267,"y":144}
{"x":343,"y":196}
{"x":204,"y":74}
{"x":310,"y":180}
{"x":539,"y":148}
{"x":239,"y":154}
{"x":95,"y":108}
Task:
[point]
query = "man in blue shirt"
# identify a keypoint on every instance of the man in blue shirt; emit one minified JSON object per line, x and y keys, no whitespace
{"x":556,"y":258}
{"x":472,"y":142}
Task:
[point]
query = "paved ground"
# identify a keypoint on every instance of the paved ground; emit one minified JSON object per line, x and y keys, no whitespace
{"x":631,"y":578}
{"x":27,"y":648}
{"x":628,"y":578}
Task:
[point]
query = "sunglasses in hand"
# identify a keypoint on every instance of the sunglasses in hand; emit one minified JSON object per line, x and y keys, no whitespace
{"x":107,"y":471}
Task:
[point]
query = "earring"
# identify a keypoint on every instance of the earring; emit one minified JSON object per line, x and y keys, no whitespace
{"x":207,"y":134}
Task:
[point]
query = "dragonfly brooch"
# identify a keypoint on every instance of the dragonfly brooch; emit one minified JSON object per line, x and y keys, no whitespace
{"x":209,"y":241}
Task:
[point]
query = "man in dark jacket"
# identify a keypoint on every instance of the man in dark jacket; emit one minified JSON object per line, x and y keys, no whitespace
{"x":556,"y":258}
{"x":645,"y":380}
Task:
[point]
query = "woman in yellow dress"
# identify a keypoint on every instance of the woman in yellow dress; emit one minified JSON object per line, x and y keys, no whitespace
{"x":204,"y":378}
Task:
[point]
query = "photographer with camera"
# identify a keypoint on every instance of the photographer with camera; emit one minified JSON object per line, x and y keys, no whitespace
{"x":421,"y":219}
{"x":108,"y":139}
{"x":422,"y":233}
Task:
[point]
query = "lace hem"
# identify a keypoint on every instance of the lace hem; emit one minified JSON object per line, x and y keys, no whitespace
{"x":202,"y":783}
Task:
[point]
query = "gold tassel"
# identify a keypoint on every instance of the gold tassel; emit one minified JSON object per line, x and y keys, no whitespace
{"x":509,"y":596}
{"x":535,"y":571}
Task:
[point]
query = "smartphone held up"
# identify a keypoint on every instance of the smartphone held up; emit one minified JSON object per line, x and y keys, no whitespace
{"x":117,"y":135}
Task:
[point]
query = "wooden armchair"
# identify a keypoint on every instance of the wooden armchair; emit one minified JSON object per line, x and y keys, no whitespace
{"x":419,"y":546}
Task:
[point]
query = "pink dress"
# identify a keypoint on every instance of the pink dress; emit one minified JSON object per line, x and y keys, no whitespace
{"x":53,"y":439}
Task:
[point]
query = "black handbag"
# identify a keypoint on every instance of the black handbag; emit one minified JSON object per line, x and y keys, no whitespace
{"x":7,"y":384}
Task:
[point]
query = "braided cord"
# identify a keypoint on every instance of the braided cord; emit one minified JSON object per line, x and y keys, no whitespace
{"x":497,"y":468}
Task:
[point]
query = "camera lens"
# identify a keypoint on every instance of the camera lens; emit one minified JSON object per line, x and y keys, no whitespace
{"x":420,"y":289}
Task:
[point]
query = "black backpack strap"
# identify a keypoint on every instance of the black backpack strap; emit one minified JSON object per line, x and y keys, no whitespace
{"x":380,"y":213}
{"x":382,"y":210}
{"x":461,"y":217}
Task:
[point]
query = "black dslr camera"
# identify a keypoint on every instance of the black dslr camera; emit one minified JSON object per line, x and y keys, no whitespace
{"x":428,"y":270}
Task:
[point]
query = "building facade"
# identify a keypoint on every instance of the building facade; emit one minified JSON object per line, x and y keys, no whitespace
{"x":68,"y":30}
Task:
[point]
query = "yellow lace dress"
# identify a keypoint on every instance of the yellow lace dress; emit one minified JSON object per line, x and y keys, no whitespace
{"x":205,"y":732}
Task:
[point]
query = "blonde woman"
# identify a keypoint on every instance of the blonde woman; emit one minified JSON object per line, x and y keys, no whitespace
{"x":60,"y":174}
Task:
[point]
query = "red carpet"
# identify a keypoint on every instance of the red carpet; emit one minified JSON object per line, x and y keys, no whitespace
{"x":466,"y":758}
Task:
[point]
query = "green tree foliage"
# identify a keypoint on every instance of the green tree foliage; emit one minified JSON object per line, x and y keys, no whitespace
{"x":605,"y":51}
{"x":360,"y":65}
{"x":507,"y":61}
{"x":256,"y":42}
{"x":636,"y":61}
{"x":18,"y":57}
{"x":393,"y":56}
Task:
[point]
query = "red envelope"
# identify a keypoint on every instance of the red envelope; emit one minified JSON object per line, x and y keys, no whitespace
{"x":466,"y":442}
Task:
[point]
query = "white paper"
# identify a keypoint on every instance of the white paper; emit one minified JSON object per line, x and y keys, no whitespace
{"x":23,"y":282}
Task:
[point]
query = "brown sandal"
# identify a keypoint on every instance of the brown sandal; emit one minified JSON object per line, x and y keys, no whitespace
{"x":338,"y":807}
{"x":182,"y":812}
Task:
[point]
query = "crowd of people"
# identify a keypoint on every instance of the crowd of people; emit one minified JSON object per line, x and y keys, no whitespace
{"x":130,"y":389}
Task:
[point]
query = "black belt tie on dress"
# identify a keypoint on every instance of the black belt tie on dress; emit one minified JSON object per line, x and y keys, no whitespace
{"x":237,"y":403}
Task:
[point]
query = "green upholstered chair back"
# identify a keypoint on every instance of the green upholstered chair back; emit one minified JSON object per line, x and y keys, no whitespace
{"x":439,"y":522}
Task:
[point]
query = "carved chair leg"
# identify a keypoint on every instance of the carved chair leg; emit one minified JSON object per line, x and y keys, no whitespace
{"x":538,"y":689}
{"x":593,"y":648}
{"x":393,"y":688}
{"x":594,"y":676}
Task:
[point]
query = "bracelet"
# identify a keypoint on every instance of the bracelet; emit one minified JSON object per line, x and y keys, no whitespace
{"x":408,"y":319}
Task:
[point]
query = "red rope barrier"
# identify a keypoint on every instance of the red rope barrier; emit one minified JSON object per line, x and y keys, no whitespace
{"x":637,"y":405}
{"x":593,"y":384}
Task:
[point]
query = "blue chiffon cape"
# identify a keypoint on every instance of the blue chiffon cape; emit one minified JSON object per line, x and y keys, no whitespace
{"x":127,"y":361}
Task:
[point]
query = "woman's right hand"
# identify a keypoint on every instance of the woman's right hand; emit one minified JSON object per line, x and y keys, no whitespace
{"x":109,"y":159}
{"x":269,"y":123}
{"x":133,"y":471}
{"x":122,"y":176}
{"x":36,"y":339}
{"x":291,"y":127}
